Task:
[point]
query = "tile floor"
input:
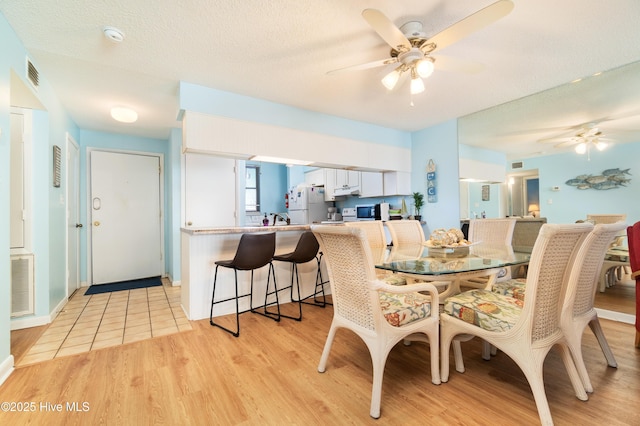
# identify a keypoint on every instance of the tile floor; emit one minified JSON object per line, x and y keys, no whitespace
{"x":98,"y":321}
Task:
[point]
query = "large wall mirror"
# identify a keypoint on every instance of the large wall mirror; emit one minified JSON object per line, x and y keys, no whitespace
{"x":542,"y":128}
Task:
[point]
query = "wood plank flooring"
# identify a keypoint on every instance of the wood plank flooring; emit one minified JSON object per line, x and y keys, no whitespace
{"x":269,"y":376}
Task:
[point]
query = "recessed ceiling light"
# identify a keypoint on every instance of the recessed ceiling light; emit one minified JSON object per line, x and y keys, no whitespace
{"x":113,"y":34}
{"x":124,"y":115}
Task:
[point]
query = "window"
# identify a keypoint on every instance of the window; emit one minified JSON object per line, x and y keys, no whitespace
{"x":252,"y":186}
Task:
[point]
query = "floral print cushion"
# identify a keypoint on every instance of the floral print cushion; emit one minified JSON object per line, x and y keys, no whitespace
{"x":484,"y":308}
{"x":512,"y":288}
{"x":394,"y":279}
{"x":401,"y":309}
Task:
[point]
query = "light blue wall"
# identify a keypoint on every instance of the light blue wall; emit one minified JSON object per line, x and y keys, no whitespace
{"x":113,"y":141}
{"x":48,"y":203}
{"x":570,"y":204}
{"x":11,"y":50}
{"x":477,"y":205}
{"x":439,"y":143}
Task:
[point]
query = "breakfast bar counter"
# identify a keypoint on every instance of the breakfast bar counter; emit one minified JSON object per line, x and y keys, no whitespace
{"x":202,"y":247}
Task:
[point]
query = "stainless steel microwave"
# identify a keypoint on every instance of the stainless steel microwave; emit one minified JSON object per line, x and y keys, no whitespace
{"x":366,"y":212}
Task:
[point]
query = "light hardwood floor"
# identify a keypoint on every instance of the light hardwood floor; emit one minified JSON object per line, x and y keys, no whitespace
{"x":268,"y":376}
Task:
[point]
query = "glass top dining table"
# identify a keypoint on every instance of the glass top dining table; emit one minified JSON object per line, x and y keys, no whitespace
{"x":444,"y":263}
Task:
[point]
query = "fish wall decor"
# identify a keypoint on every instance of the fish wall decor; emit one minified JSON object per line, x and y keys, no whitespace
{"x":608,"y":179}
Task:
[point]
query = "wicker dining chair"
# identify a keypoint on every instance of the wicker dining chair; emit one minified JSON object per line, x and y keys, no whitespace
{"x":377,"y":239}
{"x":380,"y":314}
{"x":527,"y":330}
{"x":405,"y":232}
{"x":578,"y":306}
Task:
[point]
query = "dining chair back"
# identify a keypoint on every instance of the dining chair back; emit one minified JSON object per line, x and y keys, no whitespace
{"x":377,"y":239}
{"x":633,"y":238}
{"x":380,"y":314}
{"x":405,"y":232}
{"x":527,"y":330}
{"x":491,"y":232}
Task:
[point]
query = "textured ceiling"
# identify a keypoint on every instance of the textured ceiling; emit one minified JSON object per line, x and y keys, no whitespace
{"x":280,"y":50}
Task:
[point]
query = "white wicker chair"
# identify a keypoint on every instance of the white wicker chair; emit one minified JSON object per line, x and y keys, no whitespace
{"x":405,"y":232}
{"x":374,"y":231}
{"x":490,"y":231}
{"x":577,"y":309}
{"x":525,"y":333}
{"x":380,"y":314}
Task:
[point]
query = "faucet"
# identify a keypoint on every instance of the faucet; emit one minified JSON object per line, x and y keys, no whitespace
{"x":279,"y":216}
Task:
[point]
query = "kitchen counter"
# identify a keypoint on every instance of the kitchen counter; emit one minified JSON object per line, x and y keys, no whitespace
{"x":202,"y":247}
{"x":244,"y":229}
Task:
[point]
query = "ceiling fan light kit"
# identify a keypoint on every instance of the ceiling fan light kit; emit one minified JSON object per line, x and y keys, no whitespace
{"x":412,"y":48}
{"x":417,"y":85}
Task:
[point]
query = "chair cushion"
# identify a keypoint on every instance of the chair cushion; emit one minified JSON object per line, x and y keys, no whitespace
{"x":512,"y":288}
{"x":394,"y":279}
{"x":401,"y":309}
{"x":485,"y":309}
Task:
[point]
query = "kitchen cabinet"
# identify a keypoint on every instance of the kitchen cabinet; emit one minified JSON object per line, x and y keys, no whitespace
{"x":315,"y":177}
{"x":371,"y":184}
{"x":329,"y":184}
{"x":397,"y":183}
{"x":347,"y":178}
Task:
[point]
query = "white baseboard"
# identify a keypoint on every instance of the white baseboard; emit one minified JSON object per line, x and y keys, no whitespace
{"x":19,"y":324}
{"x":6,"y":368}
{"x":616,"y":316}
{"x":33,"y":321}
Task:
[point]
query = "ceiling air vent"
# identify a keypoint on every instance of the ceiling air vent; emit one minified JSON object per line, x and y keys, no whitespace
{"x":32,"y":74}
{"x":517,"y":165}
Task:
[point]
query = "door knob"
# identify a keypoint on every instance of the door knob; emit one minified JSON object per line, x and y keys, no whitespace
{"x":78,"y":225}
{"x":96,"y":223}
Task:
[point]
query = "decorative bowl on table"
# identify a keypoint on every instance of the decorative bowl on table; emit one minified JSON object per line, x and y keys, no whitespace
{"x":447,"y":243}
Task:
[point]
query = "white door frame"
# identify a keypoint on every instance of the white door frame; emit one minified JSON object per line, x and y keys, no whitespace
{"x":88,"y":202}
{"x":72,"y":202}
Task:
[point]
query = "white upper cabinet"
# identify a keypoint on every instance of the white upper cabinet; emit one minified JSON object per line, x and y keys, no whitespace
{"x":315,"y":177}
{"x":397,"y":183}
{"x":347,"y":178}
{"x":371,"y":184}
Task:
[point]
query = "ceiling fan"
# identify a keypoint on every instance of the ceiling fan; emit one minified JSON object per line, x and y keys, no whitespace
{"x":588,"y":137}
{"x":412,"y":50}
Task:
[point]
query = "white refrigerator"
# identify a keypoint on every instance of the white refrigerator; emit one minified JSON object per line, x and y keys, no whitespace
{"x":307,"y":205}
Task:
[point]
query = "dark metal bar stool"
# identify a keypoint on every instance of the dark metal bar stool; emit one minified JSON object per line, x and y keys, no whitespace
{"x":254,"y":251}
{"x":306,"y":250}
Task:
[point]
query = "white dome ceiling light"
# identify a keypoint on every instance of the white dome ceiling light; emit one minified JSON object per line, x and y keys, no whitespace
{"x":124,"y":115}
{"x":113,"y":34}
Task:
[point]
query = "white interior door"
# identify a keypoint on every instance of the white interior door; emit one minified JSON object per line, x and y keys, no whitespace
{"x":73,"y":221}
{"x":125,"y":206}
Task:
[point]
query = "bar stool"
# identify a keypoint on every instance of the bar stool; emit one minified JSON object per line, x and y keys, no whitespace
{"x":254,"y":251}
{"x":306,"y":250}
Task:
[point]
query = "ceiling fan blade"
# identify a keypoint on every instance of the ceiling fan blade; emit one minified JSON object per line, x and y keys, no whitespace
{"x":448,"y":63}
{"x":386,"y":29}
{"x":364,"y":66}
{"x":471,"y":24}
{"x":565,"y":144}
{"x":556,"y":140}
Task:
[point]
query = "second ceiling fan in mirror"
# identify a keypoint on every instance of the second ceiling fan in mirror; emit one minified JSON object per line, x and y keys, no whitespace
{"x":412,"y":50}
{"x":590,"y":135}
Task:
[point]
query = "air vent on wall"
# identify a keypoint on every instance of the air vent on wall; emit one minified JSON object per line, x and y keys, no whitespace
{"x":32,"y":74}
{"x":517,"y":165}
{"x":21,"y":285}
